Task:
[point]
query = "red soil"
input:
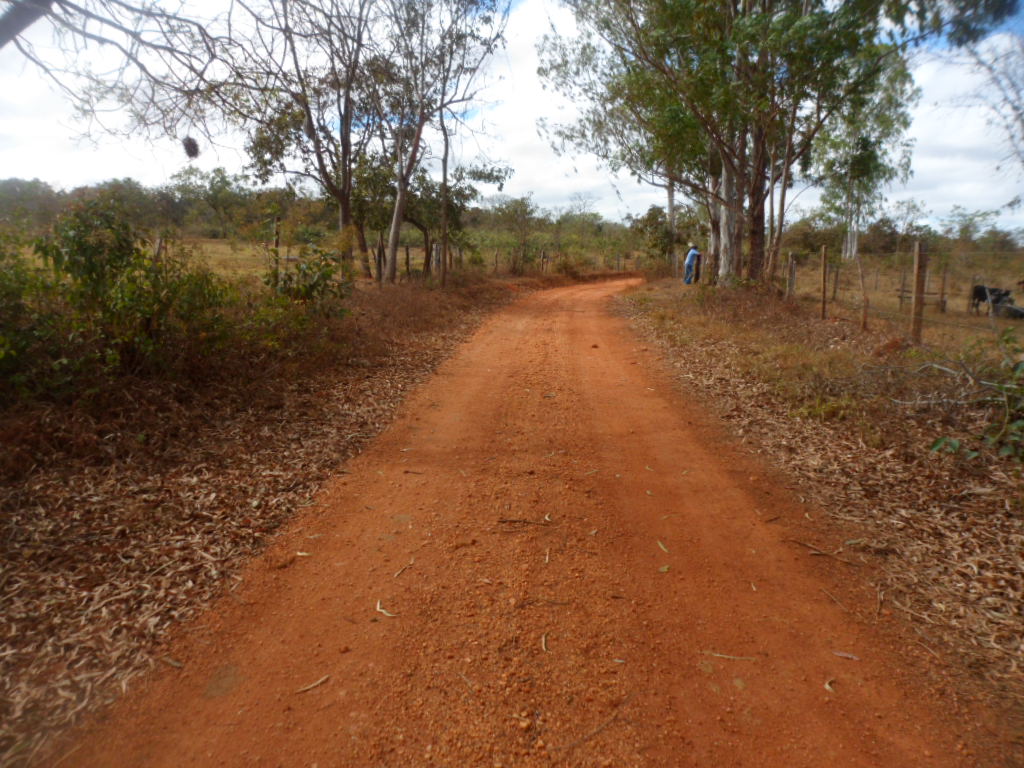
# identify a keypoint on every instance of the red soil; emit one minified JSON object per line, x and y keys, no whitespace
{"x":582,"y":572}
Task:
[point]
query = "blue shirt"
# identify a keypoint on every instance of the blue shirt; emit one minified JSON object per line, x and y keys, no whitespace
{"x":691,"y":256}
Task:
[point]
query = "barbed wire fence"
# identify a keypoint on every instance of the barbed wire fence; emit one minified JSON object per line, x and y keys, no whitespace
{"x":923,"y":298}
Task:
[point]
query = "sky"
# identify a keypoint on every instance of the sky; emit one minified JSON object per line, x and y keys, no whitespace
{"x":958,"y":158}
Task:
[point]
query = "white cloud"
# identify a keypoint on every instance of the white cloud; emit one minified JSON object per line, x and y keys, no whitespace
{"x":508,"y":128}
{"x":957,"y":155}
{"x":959,"y":159}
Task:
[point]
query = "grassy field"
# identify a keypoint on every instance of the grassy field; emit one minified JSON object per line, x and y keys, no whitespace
{"x":243,"y":260}
{"x":954,"y":328}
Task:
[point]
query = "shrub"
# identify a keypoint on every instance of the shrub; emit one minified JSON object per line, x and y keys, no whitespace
{"x":1000,"y":387}
{"x":137,"y":306}
{"x":317,"y":278}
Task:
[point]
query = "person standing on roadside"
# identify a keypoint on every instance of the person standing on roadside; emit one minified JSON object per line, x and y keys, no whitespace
{"x":691,"y":264}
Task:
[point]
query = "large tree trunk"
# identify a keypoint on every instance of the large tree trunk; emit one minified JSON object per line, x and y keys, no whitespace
{"x":776,"y":244}
{"x":428,"y":262}
{"x":404,"y":167}
{"x":728,"y":261}
{"x":755,"y":232}
{"x":710,"y":269}
{"x":20,"y":17}
{"x":673,"y":252}
{"x":741,"y":183}
{"x":444,"y":203}
{"x":345,"y":228}
{"x":364,"y":251}
{"x":397,"y":216}
{"x":756,"y":194}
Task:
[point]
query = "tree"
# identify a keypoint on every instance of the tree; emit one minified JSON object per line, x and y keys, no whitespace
{"x":518,"y":216}
{"x":653,"y":231}
{"x":735,"y":96}
{"x":309,"y":84}
{"x":1001,"y":60}
{"x":214,"y":197}
{"x":29,"y":206}
{"x":963,"y":227}
{"x":865,"y":151}
{"x":907,"y":215}
{"x":438,"y":48}
{"x":727,"y":99}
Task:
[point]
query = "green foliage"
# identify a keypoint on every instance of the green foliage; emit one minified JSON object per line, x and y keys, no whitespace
{"x":1006,"y":433}
{"x":1002,"y":387}
{"x":93,"y":244}
{"x":26,"y":324}
{"x":653,"y":231}
{"x":316,"y":278}
{"x":106,"y":306}
{"x":518,"y":217}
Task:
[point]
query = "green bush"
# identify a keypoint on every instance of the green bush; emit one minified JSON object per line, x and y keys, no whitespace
{"x":1000,"y":386}
{"x":138,"y":307}
{"x":106,"y":305}
{"x":92,"y":244}
{"x":316,"y":278}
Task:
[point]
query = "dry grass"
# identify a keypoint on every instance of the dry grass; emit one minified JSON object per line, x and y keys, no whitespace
{"x":229,"y":258}
{"x":954,"y":329}
{"x":825,"y":401}
{"x":130,"y":516}
{"x":236,"y":259}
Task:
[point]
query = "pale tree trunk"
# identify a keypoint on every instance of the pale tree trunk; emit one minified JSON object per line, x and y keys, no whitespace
{"x":775,"y":248}
{"x":865,"y":301}
{"x":403,"y":173}
{"x":728,"y":261}
{"x":714,"y":239}
{"x":444,"y":203}
{"x":673,"y":253}
{"x":391,"y":265}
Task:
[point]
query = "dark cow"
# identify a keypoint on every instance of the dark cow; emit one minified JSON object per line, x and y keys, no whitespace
{"x":994,"y":297}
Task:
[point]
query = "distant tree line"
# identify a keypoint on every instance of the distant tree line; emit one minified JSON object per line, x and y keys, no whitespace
{"x":217,"y":204}
{"x":893,"y":232}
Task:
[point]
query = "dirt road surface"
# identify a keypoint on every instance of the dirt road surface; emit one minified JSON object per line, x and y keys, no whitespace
{"x":552,"y":558}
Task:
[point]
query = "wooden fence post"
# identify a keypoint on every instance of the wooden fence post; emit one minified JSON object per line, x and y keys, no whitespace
{"x":942,"y":287}
{"x":791,"y":277}
{"x":920,"y":273}
{"x":277,"y":249}
{"x":865,"y":301}
{"x":824,"y":281}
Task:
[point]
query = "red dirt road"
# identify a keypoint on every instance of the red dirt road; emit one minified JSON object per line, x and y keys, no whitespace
{"x":581,"y":573}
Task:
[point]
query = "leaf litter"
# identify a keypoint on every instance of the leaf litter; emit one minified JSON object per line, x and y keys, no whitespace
{"x":104,"y":550}
{"x":948,"y":535}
